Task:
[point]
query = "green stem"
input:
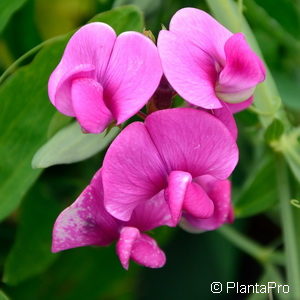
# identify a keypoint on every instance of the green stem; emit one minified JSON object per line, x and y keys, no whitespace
{"x":289,"y":232}
{"x":32,"y":51}
{"x":261,"y":254}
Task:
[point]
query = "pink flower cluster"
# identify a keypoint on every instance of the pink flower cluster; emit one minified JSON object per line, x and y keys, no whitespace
{"x":173,"y":168}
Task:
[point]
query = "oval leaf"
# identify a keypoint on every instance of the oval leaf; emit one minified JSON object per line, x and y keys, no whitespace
{"x":70,"y":145}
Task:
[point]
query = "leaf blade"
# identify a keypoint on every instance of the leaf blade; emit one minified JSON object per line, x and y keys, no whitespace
{"x":70,"y":145}
{"x":22,"y":134}
{"x":258,"y":193}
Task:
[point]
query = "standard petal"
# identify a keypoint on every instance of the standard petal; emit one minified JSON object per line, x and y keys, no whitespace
{"x":190,"y":70}
{"x":128,"y":236}
{"x":202,"y":30}
{"x":151,"y":214}
{"x":88,"y":49}
{"x":242,"y":72}
{"x":132,"y":171}
{"x":146,"y":252}
{"x":132,"y":76}
{"x":193,"y":141}
{"x":89,"y":107}
{"x":85,"y":222}
{"x":178,"y":183}
{"x":220,"y":192}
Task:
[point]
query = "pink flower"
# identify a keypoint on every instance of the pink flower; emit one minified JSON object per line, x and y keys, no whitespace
{"x":206,"y":64}
{"x":102,"y":77}
{"x":168,"y":155}
{"x":86,"y":222}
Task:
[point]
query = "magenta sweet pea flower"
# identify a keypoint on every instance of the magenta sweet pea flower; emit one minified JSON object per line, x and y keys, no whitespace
{"x":86,"y":222}
{"x":207,"y":64}
{"x":167,"y":154}
{"x":103,"y":78}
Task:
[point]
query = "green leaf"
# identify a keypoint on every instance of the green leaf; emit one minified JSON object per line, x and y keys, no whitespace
{"x":7,"y":9}
{"x":25,"y":112}
{"x":57,"y":122}
{"x":124,"y":18}
{"x":274,"y":131}
{"x":3,"y":296}
{"x":70,"y":145}
{"x":30,"y":254}
{"x":259,"y":192}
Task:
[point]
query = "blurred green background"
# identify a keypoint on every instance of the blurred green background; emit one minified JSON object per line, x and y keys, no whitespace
{"x":30,"y":201}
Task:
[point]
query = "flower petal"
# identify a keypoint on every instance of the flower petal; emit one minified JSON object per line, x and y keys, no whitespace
{"x":89,"y":107}
{"x":178,"y":183}
{"x":132,"y":76}
{"x":85,"y":222}
{"x":193,"y":141}
{"x":225,"y":115}
{"x":88,"y":49}
{"x":132,"y":171}
{"x":237,"y":107}
{"x":60,"y":93}
{"x":242,"y":72}
{"x":202,"y":30}
{"x":151,"y":214}
{"x":146,"y":252}
{"x":197,"y":203}
{"x":140,"y":247}
{"x":128,"y":236}
{"x":189,"y":69}
{"x":220,"y":192}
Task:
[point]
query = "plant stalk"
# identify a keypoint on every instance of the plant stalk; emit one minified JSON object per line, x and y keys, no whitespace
{"x":289,"y":229}
{"x":264,"y":255}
